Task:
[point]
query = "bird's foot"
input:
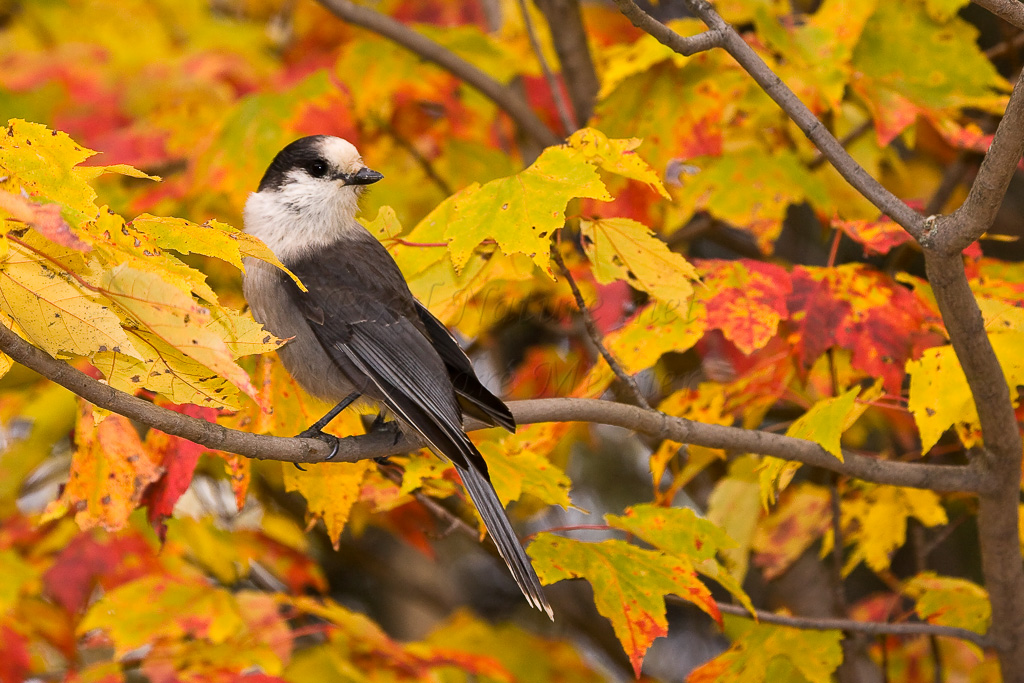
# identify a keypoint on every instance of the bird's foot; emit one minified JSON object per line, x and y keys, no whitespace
{"x":380,"y":425}
{"x":315,"y":432}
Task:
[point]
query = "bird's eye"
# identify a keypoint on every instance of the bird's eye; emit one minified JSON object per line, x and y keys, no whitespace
{"x":317,"y":169}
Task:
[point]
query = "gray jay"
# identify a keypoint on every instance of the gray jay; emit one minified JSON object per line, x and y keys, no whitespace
{"x":358,"y":332}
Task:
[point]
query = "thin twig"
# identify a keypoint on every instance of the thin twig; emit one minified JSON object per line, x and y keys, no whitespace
{"x":506,"y":99}
{"x":376,"y":445}
{"x":845,"y":141}
{"x":441,"y":512}
{"x":951,"y":179}
{"x":1005,"y":47}
{"x":569,"y":36}
{"x":564,"y":114}
{"x":853,"y":626}
{"x":687,"y":46}
{"x":839,"y":593}
{"x":424,"y":163}
{"x":595,"y":335}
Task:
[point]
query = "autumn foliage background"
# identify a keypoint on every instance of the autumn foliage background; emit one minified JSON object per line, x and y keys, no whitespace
{"x":730,"y":271}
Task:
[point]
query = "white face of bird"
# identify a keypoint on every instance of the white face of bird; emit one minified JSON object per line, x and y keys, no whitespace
{"x":309,"y":196}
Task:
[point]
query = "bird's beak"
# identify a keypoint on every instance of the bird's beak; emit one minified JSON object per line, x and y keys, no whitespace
{"x":363,"y":176}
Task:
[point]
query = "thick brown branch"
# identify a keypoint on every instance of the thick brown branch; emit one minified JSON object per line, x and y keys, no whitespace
{"x":723,"y":35}
{"x":1011,"y":11}
{"x":852,"y":626}
{"x":999,"y":461}
{"x":951,"y":234}
{"x":504,"y":97}
{"x":650,"y":422}
{"x":570,"y":39}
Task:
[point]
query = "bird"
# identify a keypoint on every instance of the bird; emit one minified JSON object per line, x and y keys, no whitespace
{"x":358,"y":333}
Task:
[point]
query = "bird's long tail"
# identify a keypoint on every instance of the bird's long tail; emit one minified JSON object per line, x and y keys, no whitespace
{"x":493,"y":514}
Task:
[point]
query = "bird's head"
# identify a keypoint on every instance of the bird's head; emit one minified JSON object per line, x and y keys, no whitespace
{"x":319,"y":164}
{"x":309,"y":194}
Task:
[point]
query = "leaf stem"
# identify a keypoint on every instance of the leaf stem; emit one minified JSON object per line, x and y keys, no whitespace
{"x":595,"y":334}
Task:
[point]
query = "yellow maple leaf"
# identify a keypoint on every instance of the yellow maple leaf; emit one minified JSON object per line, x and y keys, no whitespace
{"x":616,"y":156}
{"x":521,"y":212}
{"x":624,"y":249}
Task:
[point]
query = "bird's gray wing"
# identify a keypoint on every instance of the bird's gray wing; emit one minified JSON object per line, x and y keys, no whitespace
{"x":474,"y":397}
{"x":369,"y":339}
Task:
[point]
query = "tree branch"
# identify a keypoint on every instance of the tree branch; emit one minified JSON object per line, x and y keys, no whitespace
{"x":375,"y":445}
{"x":570,"y":39}
{"x":504,"y":97}
{"x":953,"y":233}
{"x":853,"y":626}
{"x":999,"y":461}
{"x":721,"y":34}
{"x":687,"y":46}
{"x":569,"y":125}
{"x":1010,"y":11}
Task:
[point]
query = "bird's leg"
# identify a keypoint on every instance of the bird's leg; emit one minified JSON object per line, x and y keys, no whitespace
{"x":315,"y":430}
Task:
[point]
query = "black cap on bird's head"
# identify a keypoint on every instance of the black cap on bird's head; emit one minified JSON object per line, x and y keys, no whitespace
{"x":318,"y":158}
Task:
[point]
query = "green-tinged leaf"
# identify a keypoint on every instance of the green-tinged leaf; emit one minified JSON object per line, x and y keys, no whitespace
{"x":256,"y":130}
{"x":624,"y":249}
{"x":616,"y":156}
{"x":174,"y":611}
{"x":773,"y":476}
{"x":752,"y":189}
{"x":680,"y":532}
{"x":769,"y":654}
{"x":943,"y":10}
{"x":242,"y":334}
{"x":630,"y":585}
{"x":487,"y":54}
{"x":935,"y":68}
{"x":211,"y":238}
{"x":117,"y":243}
{"x":826,"y":421}
{"x":521,"y":213}
{"x":637,"y":57}
{"x":950,"y":601}
{"x":939,"y":394}
{"x":815,"y":54}
{"x":385,"y":226}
